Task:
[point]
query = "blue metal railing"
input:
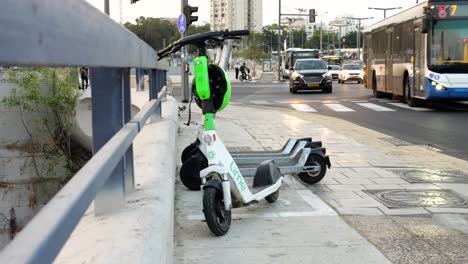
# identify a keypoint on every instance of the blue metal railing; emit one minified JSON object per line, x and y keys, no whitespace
{"x":73,"y":33}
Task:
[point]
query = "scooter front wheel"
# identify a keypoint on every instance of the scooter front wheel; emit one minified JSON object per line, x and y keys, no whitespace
{"x":272,"y":197}
{"x":188,"y":152}
{"x":316,"y":174}
{"x":216,"y":216}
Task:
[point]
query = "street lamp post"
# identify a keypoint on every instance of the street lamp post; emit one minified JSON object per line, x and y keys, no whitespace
{"x":321,"y":29}
{"x":279,"y":40}
{"x":359,"y":19}
{"x":384,"y":9}
{"x":339,"y":37}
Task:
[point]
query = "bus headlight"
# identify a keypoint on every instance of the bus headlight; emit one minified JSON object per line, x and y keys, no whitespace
{"x":438,"y":86}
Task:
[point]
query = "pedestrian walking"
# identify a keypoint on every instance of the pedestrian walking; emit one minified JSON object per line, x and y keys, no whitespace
{"x":237,"y":68}
{"x":84,"y":78}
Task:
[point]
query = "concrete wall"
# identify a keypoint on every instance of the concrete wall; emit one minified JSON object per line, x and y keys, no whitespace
{"x":20,"y":187}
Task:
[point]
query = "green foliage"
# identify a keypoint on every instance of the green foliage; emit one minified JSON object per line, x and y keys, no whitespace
{"x":351,"y":39}
{"x":254,"y":50}
{"x":156,"y":31}
{"x":51,"y":109}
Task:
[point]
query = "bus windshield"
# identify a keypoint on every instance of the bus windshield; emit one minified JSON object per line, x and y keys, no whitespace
{"x":449,"y":44}
{"x":303,"y":54}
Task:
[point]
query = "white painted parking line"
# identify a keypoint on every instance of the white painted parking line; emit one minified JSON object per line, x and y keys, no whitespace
{"x":303,"y":108}
{"x":260,"y":102}
{"x":463,"y":102}
{"x":409,"y":107}
{"x":320,"y":207}
{"x":339,"y":108}
{"x":375,"y":107}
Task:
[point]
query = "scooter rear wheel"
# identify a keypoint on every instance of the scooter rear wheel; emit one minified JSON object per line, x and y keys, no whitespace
{"x":312,"y":177}
{"x":216,"y":216}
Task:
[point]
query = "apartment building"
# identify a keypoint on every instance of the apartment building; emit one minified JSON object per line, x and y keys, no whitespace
{"x":236,"y":14}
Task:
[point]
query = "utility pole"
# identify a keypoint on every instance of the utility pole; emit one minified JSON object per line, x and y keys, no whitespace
{"x":339,"y":37}
{"x":279,"y":41}
{"x":106,"y":7}
{"x":183,"y":60}
{"x":359,"y":19}
{"x":321,"y":29}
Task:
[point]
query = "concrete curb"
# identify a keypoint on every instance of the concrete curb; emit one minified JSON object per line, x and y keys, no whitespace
{"x":143,"y":232}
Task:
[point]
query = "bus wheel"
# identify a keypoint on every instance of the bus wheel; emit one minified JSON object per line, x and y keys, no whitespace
{"x":377,"y":94}
{"x":410,"y":101}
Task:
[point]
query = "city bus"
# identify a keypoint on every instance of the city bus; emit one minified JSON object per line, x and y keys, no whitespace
{"x":420,"y":53}
{"x":292,"y":54}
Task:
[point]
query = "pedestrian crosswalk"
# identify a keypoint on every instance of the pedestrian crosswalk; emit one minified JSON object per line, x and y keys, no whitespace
{"x":340,"y":106}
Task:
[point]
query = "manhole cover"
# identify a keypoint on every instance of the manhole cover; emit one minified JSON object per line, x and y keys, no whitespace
{"x":396,"y":141}
{"x":429,"y":176}
{"x":418,"y":198}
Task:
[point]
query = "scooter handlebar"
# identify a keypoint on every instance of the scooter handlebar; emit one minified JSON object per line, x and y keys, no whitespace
{"x":235,"y":33}
{"x":201,"y":38}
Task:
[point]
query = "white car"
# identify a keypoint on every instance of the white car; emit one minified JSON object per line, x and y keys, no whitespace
{"x":351,"y":72}
{"x":334,"y":70}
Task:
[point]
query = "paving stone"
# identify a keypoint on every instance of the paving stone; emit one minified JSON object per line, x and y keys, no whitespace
{"x":359,"y":211}
{"x":404,"y":211}
{"x":349,"y":187}
{"x":389,"y":180}
{"x":362,"y":202}
{"x":355,"y":181}
{"x":383,"y":186}
{"x":361,"y":174}
{"x":447,"y":210}
{"x":416,"y":186}
{"x":337,"y":195}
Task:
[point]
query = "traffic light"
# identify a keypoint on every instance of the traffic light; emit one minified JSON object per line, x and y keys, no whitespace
{"x":312,"y":15}
{"x":133,"y":1}
{"x":188,"y":10}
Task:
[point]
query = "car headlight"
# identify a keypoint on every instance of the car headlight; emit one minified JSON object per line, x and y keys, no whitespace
{"x":327,"y":75}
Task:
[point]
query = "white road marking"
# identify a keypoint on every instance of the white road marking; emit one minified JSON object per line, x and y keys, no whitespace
{"x":339,"y":108}
{"x":200,"y":217}
{"x":359,"y":101}
{"x":260,"y":102}
{"x":385,"y":100}
{"x":409,"y":107}
{"x":463,"y":102}
{"x":320,"y":207}
{"x":303,"y":108}
{"x":375,"y":107}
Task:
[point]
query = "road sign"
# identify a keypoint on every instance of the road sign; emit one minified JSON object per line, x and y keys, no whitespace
{"x":182,"y":23}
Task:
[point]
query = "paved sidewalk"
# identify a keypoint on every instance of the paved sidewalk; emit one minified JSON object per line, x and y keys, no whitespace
{"x":306,"y":225}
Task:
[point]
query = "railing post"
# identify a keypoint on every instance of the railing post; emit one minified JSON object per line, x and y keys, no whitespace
{"x":108,"y":118}
{"x":127,"y":104}
{"x":140,"y":79}
{"x":154,"y":79}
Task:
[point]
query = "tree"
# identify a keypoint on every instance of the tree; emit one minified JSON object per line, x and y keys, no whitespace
{"x":351,"y":40}
{"x":254,"y":52}
{"x":157,"y":32}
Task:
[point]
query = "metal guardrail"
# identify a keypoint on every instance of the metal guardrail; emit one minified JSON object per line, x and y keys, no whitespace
{"x":74,"y":33}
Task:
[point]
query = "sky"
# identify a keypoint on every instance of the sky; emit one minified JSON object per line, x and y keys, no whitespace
{"x":329,"y":9}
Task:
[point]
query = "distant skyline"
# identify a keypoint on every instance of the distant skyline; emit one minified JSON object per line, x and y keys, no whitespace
{"x":334,"y":8}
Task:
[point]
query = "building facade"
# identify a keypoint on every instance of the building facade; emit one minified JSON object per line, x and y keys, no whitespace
{"x":236,"y":14}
